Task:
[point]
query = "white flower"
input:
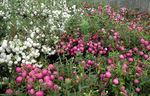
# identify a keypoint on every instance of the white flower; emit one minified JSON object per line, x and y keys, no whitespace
{"x":1,"y":49}
{"x":28,"y":44}
{"x":8,"y":50}
{"x":8,"y":57}
{"x":4,"y":44}
{"x":28,"y":57}
{"x":2,"y":60}
{"x":23,"y":61}
{"x":10,"y":62}
{"x":3,"y":55}
{"x":32,"y":34}
{"x":18,"y":59}
{"x":16,"y":49}
{"x":24,"y":47}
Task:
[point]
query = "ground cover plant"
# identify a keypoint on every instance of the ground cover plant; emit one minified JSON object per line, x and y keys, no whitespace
{"x":72,"y":48}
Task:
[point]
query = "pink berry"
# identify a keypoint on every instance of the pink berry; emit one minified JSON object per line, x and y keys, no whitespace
{"x":108,"y":74}
{"x":18,"y":69}
{"x":31,"y":91}
{"x":39,"y":75}
{"x":135,"y":49}
{"x":146,"y":43}
{"x":141,"y":53}
{"x":44,"y":71}
{"x":109,"y":61}
{"x":61,"y":78}
{"x":122,"y":88}
{"x":138,"y":90}
{"x":52,"y":77}
{"x":89,"y":62}
{"x":49,"y":84}
{"x":41,"y":81}
{"x":125,"y":66}
{"x":19,"y":79}
{"x":9,"y":92}
{"x":148,"y":47}
{"x":136,"y":81}
{"x":145,"y":56}
{"x":39,"y":93}
{"x":30,"y":80}
{"x":51,"y":67}
{"x":121,"y":56}
{"x":46,"y":78}
{"x":130,"y":59}
{"x":28,"y":66}
{"x":24,"y":74}
{"x":29,"y":86}
{"x":116,"y":81}
{"x":142,"y":40}
{"x":55,"y":73}
{"x":55,"y":87}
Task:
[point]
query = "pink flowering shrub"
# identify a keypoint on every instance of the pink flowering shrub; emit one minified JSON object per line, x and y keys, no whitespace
{"x":35,"y":81}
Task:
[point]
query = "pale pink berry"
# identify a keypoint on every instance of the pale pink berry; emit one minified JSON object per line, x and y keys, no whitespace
{"x":55,"y":73}
{"x":136,"y":81}
{"x":51,"y":67}
{"x":41,"y":81}
{"x":55,"y":87}
{"x":29,"y":86}
{"x":145,"y":56}
{"x":31,"y":91}
{"x":61,"y":78}
{"x":146,"y":43}
{"x":130,"y":59}
{"x":122,"y":88}
{"x":116,"y":81}
{"x":142,"y":40}
{"x":108,"y":74}
{"x":121,"y":56}
{"x":9,"y":92}
{"x":148,"y":47}
{"x":138,"y":90}
{"x":109,"y":61}
{"x":141,"y":53}
{"x":135,"y":49}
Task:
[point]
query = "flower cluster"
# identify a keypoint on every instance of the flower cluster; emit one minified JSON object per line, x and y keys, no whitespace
{"x":15,"y":51}
{"x":31,"y":75}
{"x":54,"y":18}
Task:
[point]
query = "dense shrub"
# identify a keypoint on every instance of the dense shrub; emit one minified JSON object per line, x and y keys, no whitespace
{"x":101,"y":51}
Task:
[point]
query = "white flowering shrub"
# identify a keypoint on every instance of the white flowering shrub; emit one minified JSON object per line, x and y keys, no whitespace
{"x":20,"y":16}
{"x":29,"y":29}
{"x":15,"y":52}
